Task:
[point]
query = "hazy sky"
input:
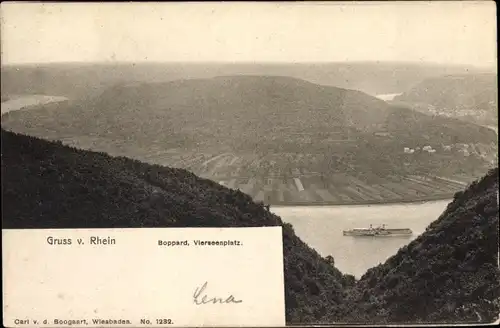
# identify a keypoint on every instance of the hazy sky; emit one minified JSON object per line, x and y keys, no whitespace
{"x":442,"y":32}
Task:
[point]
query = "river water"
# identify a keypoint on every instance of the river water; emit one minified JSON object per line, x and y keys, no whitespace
{"x":388,"y":96}
{"x":17,"y":102}
{"x":321,"y":228}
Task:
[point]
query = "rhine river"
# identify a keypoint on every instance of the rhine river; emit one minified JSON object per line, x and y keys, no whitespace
{"x":321,"y":228}
{"x":17,"y":102}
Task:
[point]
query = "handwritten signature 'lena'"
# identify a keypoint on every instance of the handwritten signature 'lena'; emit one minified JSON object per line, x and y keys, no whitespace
{"x":200,"y":298}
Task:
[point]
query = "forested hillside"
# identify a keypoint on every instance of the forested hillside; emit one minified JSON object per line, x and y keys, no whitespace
{"x":472,"y":97}
{"x":226,"y":113}
{"x":456,"y":91}
{"x":449,"y":274}
{"x":48,"y":185}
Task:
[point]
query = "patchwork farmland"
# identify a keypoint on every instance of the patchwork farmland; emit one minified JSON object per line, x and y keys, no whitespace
{"x":292,"y":178}
{"x":289,"y":179}
{"x":299,"y":187}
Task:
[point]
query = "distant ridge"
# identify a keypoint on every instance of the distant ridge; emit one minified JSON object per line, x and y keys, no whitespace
{"x":82,"y":80}
{"x":469,"y":97}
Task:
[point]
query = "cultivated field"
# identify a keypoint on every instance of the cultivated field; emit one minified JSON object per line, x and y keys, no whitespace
{"x":284,"y":179}
{"x":256,"y":176}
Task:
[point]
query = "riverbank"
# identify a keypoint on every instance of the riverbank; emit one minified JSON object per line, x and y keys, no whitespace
{"x":18,"y":102}
{"x":417,"y":200}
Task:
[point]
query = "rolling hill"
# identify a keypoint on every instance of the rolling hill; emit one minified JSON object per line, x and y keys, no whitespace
{"x":261,"y":133}
{"x":448,"y":274}
{"x":84,"y":80}
{"x":472,"y":97}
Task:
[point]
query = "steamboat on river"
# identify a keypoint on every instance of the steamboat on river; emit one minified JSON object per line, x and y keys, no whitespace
{"x":378,"y":231}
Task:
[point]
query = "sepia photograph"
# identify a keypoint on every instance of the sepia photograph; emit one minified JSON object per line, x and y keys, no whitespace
{"x":367,"y":131}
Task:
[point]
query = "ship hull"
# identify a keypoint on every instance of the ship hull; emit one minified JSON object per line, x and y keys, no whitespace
{"x":379,"y":233}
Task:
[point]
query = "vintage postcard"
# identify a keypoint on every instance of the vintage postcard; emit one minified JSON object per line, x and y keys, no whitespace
{"x":249,"y":164}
